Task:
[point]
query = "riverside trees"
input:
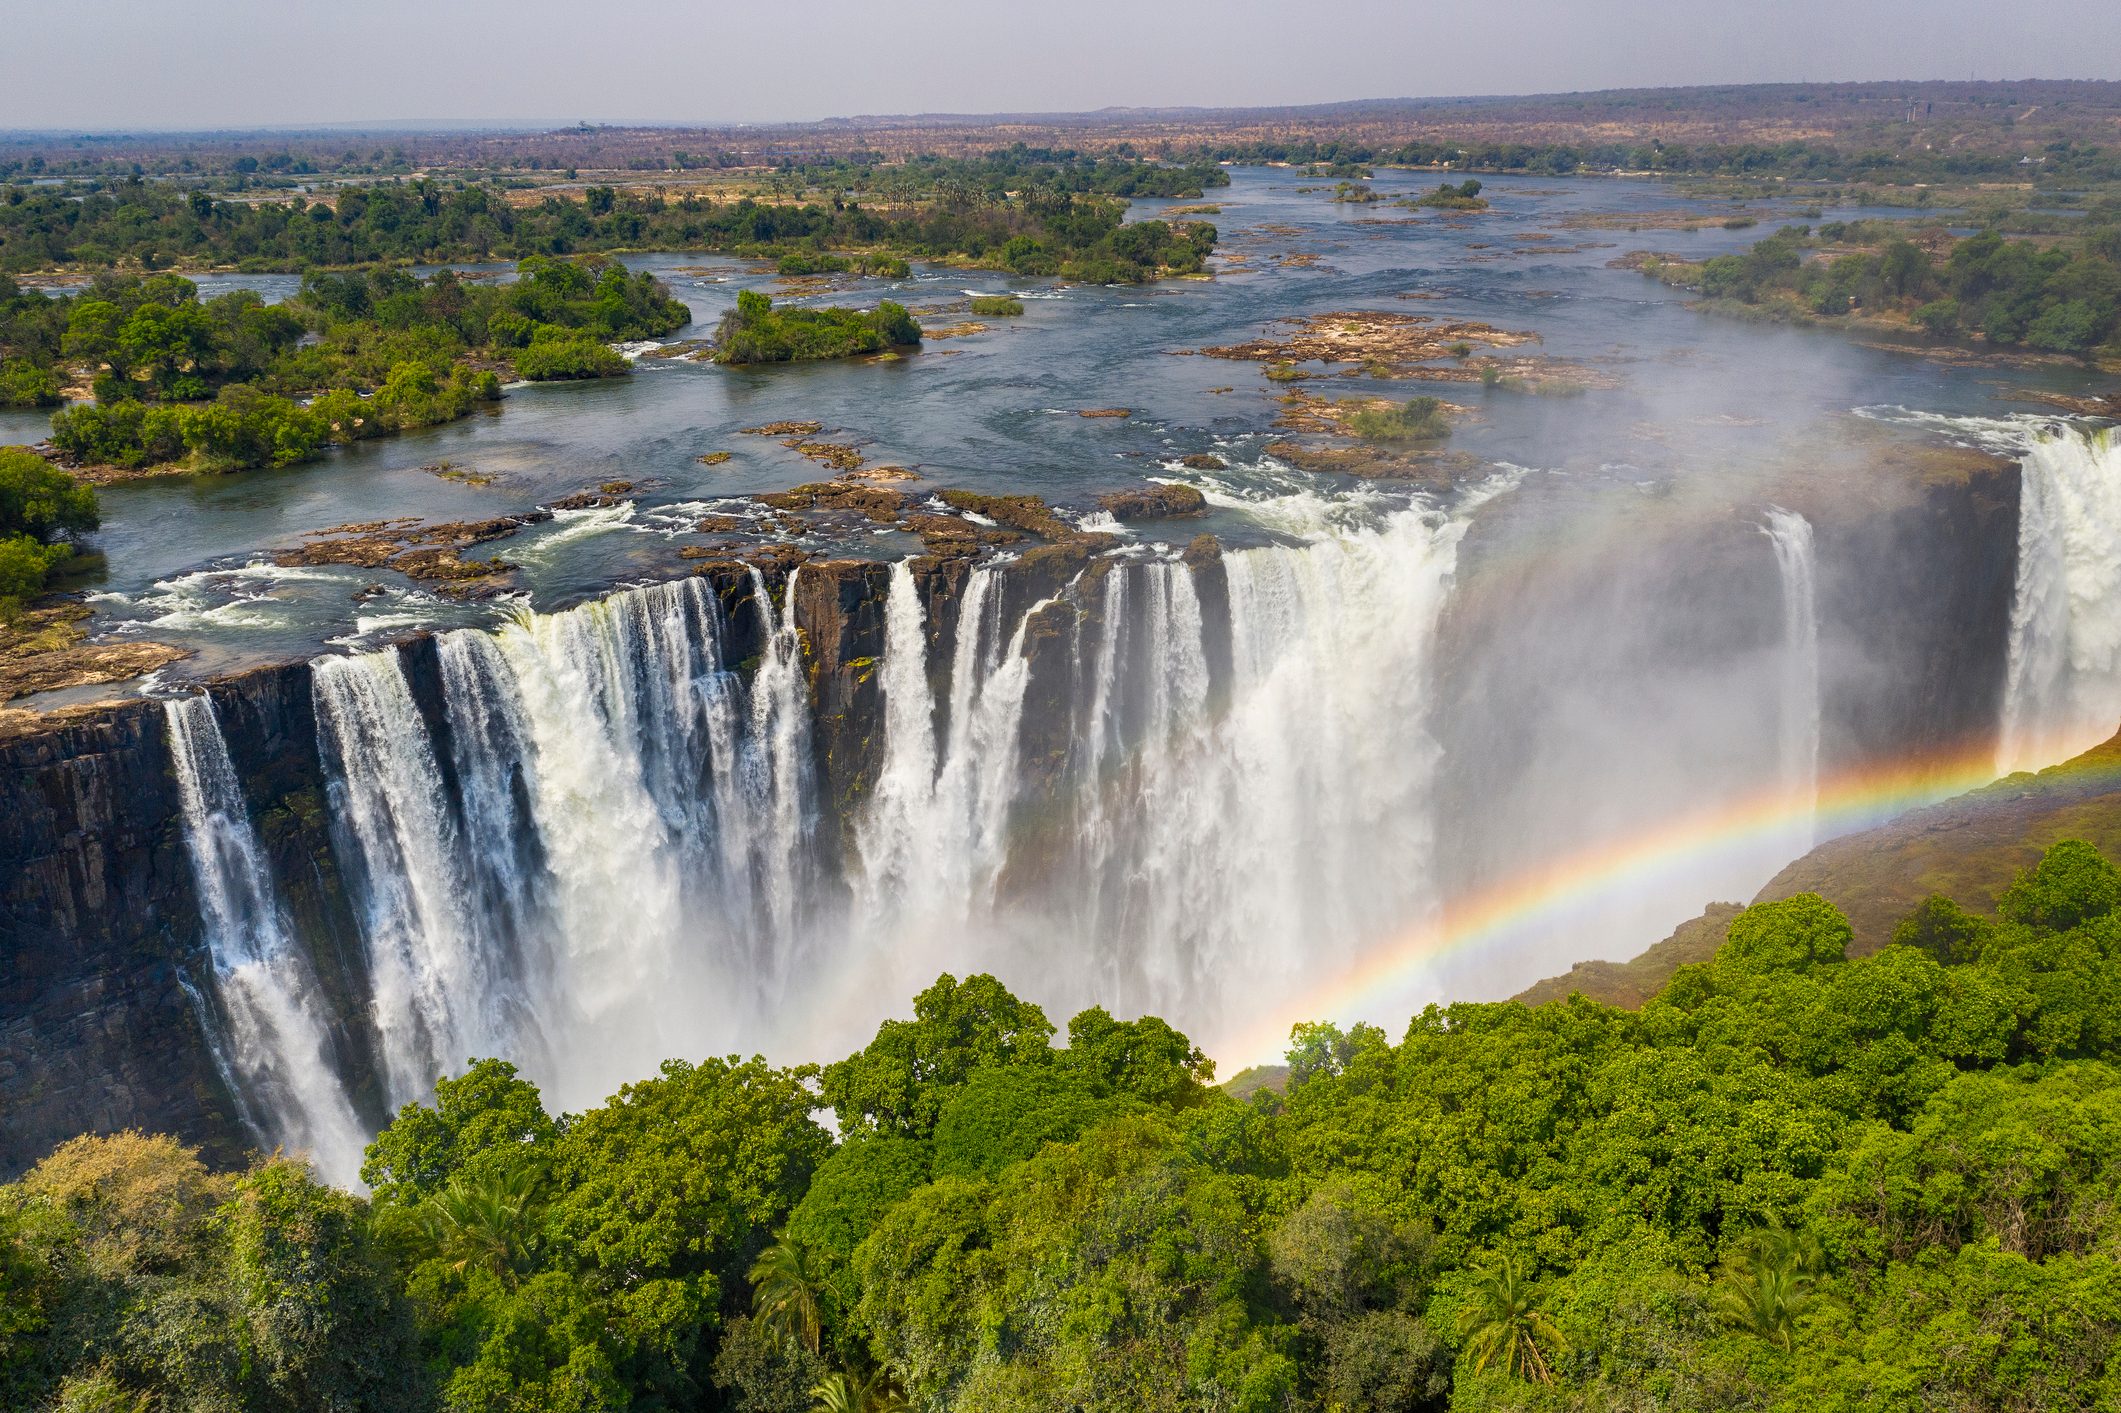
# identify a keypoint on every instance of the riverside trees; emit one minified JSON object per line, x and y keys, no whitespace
{"x":230,"y":382}
{"x":1792,"y":1180}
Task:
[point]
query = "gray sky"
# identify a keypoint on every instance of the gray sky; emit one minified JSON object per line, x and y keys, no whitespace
{"x":209,"y":63}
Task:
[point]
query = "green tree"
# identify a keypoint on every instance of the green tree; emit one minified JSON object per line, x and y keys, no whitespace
{"x":1504,"y":1326}
{"x":487,"y":1217}
{"x":898,"y":1083}
{"x":2070,"y":885}
{"x":1769,"y":1284}
{"x":787,"y":1295}
{"x":1943,"y":929}
{"x":486,"y":1119}
{"x":40,"y":500}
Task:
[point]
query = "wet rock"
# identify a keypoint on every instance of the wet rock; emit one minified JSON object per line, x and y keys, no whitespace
{"x":1155,"y":502}
{"x":876,"y":502}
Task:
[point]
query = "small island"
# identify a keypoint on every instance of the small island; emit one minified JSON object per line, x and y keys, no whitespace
{"x":756,"y":332}
{"x":230,"y":383}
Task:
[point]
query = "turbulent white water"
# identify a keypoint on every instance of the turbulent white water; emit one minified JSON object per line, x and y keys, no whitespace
{"x":611,"y":849}
{"x":2063,"y":689}
{"x":1799,"y":717}
{"x":271,"y":1038}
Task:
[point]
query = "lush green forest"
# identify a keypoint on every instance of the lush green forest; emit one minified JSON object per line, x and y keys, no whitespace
{"x":2057,"y":296}
{"x":756,"y":332}
{"x":1022,"y":214}
{"x":233,"y":382}
{"x":1793,"y":1180}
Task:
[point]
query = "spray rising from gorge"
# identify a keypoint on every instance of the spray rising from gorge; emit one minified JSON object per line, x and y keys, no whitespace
{"x":1192,"y":788}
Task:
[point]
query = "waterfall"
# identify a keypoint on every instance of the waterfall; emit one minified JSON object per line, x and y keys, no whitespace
{"x":600,"y":846}
{"x":434,"y":996}
{"x":274,"y":1048}
{"x":1791,"y":535}
{"x":906,"y":780}
{"x":2062,"y":691}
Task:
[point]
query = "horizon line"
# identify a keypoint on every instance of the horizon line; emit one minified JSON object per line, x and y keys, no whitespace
{"x":522,"y":125}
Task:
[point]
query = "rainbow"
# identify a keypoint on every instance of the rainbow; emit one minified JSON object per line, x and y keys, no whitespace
{"x":1858,"y":799}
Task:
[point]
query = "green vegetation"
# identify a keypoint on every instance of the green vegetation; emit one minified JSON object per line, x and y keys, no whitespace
{"x":232,"y":382}
{"x":756,"y":332}
{"x":2060,"y":296}
{"x":1463,"y":197}
{"x":1032,"y":211}
{"x":997,"y":306}
{"x":2064,"y":164}
{"x":1418,"y":419}
{"x":42,"y":509}
{"x":1792,"y":1181}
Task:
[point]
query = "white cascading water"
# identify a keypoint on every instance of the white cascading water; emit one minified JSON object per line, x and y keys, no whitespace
{"x":612,"y":853}
{"x":1791,"y":535}
{"x":274,"y":1047}
{"x":2063,"y":689}
{"x":437,"y":996}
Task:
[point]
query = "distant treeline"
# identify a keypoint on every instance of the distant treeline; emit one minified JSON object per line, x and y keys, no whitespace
{"x":2059,"y":163}
{"x":1066,"y":211}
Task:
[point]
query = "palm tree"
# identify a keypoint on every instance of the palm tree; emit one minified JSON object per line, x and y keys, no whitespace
{"x":486,"y":1219}
{"x":875,"y":1392}
{"x":786,"y":1293}
{"x":1769,"y":1283}
{"x":1504,"y":1325}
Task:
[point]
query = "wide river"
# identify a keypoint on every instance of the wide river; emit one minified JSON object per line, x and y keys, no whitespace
{"x":996,"y":410}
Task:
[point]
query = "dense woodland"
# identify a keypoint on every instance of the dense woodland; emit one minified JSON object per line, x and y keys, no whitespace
{"x":1793,"y":1180}
{"x":1019,"y":214}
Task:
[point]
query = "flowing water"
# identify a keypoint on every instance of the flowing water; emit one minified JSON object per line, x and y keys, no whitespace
{"x":270,"y":1033}
{"x":1799,"y":707}
{"x":608,"y":846}
{"x":2063,"y":689}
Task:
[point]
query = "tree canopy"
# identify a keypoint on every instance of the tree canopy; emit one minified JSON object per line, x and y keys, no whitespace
{"x":1795,"y":1179}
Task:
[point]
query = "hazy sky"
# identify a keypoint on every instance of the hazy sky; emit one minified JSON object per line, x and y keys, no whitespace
{"x":204,"y":63}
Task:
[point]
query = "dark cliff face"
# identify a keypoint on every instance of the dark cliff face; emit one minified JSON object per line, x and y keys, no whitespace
{"x":105,"y":1017}
{"x":107,"y":1011}
{"x":99,"y":941}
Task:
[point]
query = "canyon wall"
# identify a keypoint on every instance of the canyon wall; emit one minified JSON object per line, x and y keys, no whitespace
{"x":1146,"y":707}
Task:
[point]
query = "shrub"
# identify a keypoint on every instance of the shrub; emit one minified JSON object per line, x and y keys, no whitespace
{"x":24,"y":563}
{"x":809,"y":262}
{"x":1419,"y":419}
{"x":24,"y":384}
{"x":997,"y":306}
{"x":555,"y":356}
{"x":756,"y":332}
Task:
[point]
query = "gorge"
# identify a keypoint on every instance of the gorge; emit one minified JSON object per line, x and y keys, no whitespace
{"x":742,"y":809}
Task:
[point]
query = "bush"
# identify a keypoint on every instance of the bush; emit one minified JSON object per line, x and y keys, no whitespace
{"x":24,"y":563}
{"x":756,"y":332}
{"x":1419,"y":419}
{"x":809,"y":262}
{"x":40,"y":500}
{"x":24,"y":384}
{"x":552,"y":357}
{"x":997,"y":306}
